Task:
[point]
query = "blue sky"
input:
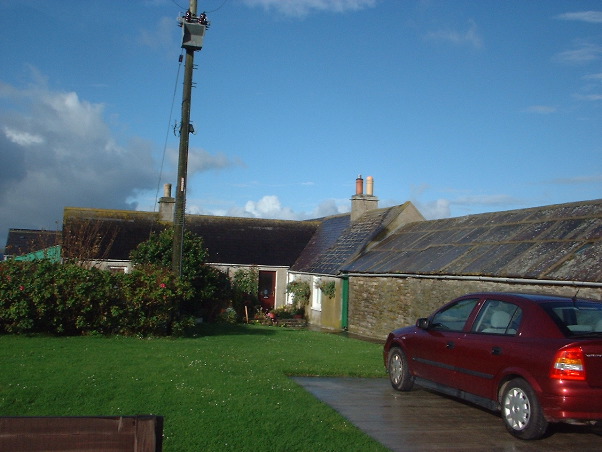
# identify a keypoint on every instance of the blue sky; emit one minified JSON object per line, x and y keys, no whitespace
{"x":461,"y":107}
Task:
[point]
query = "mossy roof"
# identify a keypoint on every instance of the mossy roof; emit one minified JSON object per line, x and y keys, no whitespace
{"x":558,"y":242}
{"x":229,"y":240}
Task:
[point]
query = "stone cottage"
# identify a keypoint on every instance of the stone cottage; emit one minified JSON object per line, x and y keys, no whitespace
{"x":552,"y":249}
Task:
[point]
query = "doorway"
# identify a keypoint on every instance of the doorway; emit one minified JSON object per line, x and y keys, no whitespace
{"x":267,"y":289}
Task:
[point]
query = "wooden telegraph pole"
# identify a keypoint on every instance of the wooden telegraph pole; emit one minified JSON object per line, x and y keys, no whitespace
{"x":194,"y":29}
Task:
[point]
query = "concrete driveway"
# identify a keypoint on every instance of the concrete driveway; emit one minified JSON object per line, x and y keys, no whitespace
{"x":424,"y":421}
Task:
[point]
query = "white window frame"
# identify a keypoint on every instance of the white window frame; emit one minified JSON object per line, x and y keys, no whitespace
{"x":316,"y":294}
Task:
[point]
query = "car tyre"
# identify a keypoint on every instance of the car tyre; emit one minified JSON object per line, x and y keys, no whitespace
{"x":521,"y":411}
{"x":399,"y":372}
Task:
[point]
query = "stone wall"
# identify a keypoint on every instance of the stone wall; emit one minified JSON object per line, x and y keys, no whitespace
{"x":378,"y":305}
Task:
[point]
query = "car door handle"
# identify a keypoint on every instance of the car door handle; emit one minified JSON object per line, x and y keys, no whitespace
{"x":450,"y":345}
{"x":496,"y":351}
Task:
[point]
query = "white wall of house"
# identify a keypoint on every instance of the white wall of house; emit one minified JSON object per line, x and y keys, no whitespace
{"x":280,"y":295}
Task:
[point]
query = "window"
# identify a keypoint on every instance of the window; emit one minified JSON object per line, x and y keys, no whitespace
{"x":576,"y":317}
{"x":316,"y":294}
{"x":498,"y":317}
{"x":454,"y":317}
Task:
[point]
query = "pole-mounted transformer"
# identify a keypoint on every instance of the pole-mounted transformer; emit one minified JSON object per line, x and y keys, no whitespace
{"x":193,"y":30}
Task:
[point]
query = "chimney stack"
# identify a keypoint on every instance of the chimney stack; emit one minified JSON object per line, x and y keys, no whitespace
{"x":360,"y":202}
{"x":167,"y":205}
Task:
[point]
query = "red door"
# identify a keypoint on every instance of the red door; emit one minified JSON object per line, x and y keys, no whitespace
{"x":267,"y":289}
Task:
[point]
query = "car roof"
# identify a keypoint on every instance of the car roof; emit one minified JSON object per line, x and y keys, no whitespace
{"x":534,"y":297}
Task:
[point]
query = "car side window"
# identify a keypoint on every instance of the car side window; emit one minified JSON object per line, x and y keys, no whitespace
{"x":454,"y":317}
{"x":498,"y":317}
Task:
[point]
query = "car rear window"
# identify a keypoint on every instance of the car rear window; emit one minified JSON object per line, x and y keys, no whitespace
{"x":576,"y":318}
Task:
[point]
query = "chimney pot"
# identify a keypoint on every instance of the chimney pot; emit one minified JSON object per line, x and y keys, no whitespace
{"x":370,"y":186}
{"x":167,"y":190}
{"x":359,"y":185}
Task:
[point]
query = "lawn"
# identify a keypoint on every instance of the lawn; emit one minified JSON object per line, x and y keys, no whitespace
{"x":227,"y":389}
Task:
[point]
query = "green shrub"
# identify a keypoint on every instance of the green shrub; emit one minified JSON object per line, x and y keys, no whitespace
{"x":65,"y":299}
{"x":228,"y":315}
{"x":245,"y":285}
{"x":301,"y":292}
{"x":328,"y":288}
{"x":210,"y":287}
{"x":68,"y":299}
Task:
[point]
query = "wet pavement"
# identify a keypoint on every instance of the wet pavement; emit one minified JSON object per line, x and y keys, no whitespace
{"x":420,"y":420}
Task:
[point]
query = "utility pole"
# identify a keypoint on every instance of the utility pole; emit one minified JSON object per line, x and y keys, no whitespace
{"x":193,"y":28}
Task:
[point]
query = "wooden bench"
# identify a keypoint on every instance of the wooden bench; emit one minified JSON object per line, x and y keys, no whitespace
{"x":84,"y":434}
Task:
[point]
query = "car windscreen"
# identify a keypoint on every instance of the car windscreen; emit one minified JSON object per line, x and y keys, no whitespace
{"x":576,"y":318}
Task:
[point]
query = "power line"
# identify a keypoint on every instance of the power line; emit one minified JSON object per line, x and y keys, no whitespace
{"x":173,"y":99}
{"x":218,"y":8}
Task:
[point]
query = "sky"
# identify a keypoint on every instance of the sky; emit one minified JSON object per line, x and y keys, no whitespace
{"x":460,"y":107}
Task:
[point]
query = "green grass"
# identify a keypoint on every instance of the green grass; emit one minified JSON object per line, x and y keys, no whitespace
{"x":227,"y":389}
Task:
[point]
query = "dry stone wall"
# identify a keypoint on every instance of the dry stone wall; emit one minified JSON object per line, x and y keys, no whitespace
{"x":377,"y":305}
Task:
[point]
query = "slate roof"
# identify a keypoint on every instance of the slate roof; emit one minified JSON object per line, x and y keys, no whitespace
{"x":24,"y":241}
{"x":252,"y":241}
{"x":326,"y":236}
{"x":558,"y":242}
{"x":245,"y":241}
{"x":339,"y":240}
{"x":125,"y":228}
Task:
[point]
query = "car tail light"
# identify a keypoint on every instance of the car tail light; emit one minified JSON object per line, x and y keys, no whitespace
{"x":569,"y":364}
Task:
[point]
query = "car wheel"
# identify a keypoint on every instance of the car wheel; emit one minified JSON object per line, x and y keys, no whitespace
{"x":521,"y":411}
{"x":399,"y":373}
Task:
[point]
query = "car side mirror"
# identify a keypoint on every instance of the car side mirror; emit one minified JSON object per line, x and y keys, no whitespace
{"x":423,"y":323}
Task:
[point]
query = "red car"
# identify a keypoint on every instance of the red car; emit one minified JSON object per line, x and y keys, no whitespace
{"x":537,"y":359}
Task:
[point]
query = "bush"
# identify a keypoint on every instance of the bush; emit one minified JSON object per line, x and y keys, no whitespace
{"x":301,"y":292}
{"x":228,"y":315}
{"x":65,"y":299}
{"x":210,"y":287}
{"x":245,"y":285}
{"x":68,"y":299}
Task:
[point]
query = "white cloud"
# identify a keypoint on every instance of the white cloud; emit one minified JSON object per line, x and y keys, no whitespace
{"x":22,"y":138}
{"x":595,"y":77}
{"x":578,"y":180}
{"x":458,"y":201}
{"x":541,"y":109}
{"x":269,"y":207}
{"x":485,"y":200}
{"x":434,"y":210}
{"x":594,"y":17}
{"x":583,"y":52}
{"x":200,"y":160}
{"x":301,"y":8}
{"x":469,"y":37}
{"x":589,"y":97}
{"x":56,"y":150}
{"x":330,"y":207}
{"x":159,"y":36}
